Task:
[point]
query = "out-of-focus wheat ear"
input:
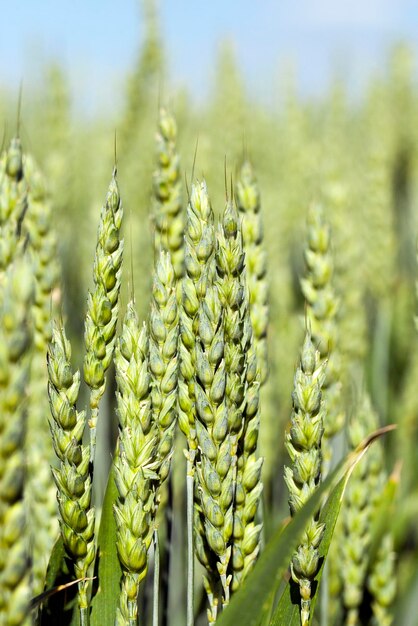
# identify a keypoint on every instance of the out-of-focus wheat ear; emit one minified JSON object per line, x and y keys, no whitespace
{"x":40,"y":489}
{"x":167,"y":205}
{"x":137,"y":464}
{"x":303,"y":443}
{"x":321,"y":312}
{"x":13,"y":202}
{"x":357,"y":511}
{"x":248,"y":201}
{"x":72,"y":476}
{"x":103,"y":304}
{"x":16,"y":298}
{"x":382,"y":582}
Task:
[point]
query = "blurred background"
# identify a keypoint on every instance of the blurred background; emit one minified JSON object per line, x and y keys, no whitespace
{"x":322,"y":96}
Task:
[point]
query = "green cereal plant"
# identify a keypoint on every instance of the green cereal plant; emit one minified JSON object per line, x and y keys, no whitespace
{"x":163,"y":358}
{"x":215,"y":464}
{"x":167,"y":197}
{"x":242,"y":393}
{"x":248,"y":489}
{"x":303,"y":443}
{"x":355,"y":537}
{"x":199,"y":249}
{"x":164,"y":369}
{"x":142,"y":87}
{"x":13,"y":201}
{"x":382,"y":582}
{"x":72,"y":476}
{"x":103,"y":303}
{"x":42,"y":250}
{"x":16,"y":294}
{"x":380,"y":246}
{"x":136,"y":464}
{"x":248,"y":200}
{"x":322,"y":308}
{"x":199,"y":273}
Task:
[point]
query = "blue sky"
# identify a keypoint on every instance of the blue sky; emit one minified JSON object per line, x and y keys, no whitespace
{"x":97,"y":40}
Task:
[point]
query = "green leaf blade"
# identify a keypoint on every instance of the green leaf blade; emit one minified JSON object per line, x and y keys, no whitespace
{"x":108,"y":569}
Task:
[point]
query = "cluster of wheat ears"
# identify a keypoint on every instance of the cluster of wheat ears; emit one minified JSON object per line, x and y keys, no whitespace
{"x":189,"y":376}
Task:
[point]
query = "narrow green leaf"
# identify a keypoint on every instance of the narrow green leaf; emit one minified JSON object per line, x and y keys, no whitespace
{"x":59,"y":599}
{"x":263,"y":581}
{"x":108,"y":570}
{"x":271,"y":566}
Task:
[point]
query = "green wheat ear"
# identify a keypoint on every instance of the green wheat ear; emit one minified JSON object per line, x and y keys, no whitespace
{"x":43,"y":253}
{"x":136,"y":465}
{"x":16,"y":298}
{"x":72,"y":476}
{"x":242,"y":393}
{"x":303,"y":443}
{"x":199,"y":273}
{"x":322,"y":309}
{"x":248,"y":200}
{"x":163,"y":358}
{"x":103,"y":303}
{"x":167,"y":206}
